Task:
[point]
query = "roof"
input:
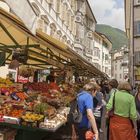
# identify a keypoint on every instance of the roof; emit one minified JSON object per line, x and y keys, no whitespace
{"x":91,"y":10}
{"x":104,"y":35}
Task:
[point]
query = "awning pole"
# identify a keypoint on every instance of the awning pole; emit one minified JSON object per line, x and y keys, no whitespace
{"x":6,"y":31}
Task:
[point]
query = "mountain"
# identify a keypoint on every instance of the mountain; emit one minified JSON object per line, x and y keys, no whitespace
{"x":116,"y":36}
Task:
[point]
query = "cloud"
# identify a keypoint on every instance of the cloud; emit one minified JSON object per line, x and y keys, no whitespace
{"x":110,"y":12}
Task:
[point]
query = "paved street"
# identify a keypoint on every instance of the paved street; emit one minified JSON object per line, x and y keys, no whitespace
{"x":103,"y":136}
{"x":64,"y":133}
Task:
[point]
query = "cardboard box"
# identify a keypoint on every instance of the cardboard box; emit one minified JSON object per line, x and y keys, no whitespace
{"x":11,"y":120}
{"x":8,"y":134}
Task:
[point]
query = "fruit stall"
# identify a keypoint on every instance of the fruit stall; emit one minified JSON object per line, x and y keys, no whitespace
{"x":43,"y":107}
{"x":38,"y":106}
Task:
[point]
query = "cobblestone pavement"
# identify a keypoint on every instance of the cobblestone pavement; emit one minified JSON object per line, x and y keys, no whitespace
{"x":64,"y":133}
{"x":103,"y":135}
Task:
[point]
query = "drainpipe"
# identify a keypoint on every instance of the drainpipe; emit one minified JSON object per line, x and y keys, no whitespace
{"x":133,"y":63}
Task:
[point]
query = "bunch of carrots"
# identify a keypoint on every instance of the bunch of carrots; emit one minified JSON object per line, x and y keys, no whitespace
{"x":21,"y":95}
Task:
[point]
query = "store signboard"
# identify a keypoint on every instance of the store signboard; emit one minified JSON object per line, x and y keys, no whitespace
{"x":22,"y":79}
{"x":24,"y":11}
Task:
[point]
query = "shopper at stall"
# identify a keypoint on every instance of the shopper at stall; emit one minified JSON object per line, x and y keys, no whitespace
{"x":123,"y":122}
{"x":85,"y":104}
{"x":50,"y":77}
{"x":52,"y":85}
{"x":98,"y":105}
{"x":104,"y":88}
{"x":113,"y":84}
{"x":137,"y":100}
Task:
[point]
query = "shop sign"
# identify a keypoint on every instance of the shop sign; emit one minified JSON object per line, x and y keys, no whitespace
{"x":22,"y":79}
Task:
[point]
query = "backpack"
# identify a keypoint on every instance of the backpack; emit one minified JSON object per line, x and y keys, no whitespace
{"x":74,"y":116}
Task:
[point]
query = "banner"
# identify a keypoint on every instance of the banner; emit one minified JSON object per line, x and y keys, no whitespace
{"x":24,"y":11}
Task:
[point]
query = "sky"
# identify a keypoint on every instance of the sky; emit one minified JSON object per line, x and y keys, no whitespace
{"x":110,"y":12}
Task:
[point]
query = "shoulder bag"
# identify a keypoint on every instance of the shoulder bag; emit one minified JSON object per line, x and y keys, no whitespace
{"x":111,"y":112}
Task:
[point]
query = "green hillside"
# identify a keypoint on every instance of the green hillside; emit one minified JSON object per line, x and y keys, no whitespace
{"x":117,"y":36}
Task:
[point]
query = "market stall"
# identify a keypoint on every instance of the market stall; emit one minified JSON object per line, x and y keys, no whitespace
{"x":41,"y":50}
{"x":36,"y":106}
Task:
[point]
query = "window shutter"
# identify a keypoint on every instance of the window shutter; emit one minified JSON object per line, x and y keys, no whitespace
{"x":138,"y":27}
{"x":70,"y":22}
{"x":73,"y":4}
{"x":63,"y":9}
{"x":58,"y":3}
{"x":74,"y":28}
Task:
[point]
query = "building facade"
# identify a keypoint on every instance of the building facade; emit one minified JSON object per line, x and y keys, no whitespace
{"x":73,"y":23}
{"x":101,"y":53}
{"x":120,"y":64}
{"x":132,"y":26}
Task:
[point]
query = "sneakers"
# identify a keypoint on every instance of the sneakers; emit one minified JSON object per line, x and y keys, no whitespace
{"x":100,"y":130}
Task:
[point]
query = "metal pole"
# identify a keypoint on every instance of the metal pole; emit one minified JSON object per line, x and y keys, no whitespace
{"x":133,"y":73}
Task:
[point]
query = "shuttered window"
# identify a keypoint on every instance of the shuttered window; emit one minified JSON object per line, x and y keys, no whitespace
{"x":58,"y":4}
{"x":137,"y":28}
{"x":137,"y":58}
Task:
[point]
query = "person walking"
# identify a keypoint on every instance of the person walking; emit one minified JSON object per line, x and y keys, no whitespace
{"x":98,"y":105}
{"x":85,"y":105}
{"x":137,"y":100}
{"x":113,"y":84}
{"x":123,"y":123}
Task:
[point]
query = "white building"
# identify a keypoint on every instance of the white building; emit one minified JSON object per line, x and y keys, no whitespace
{"x":101,"y":53}
{"x":73,"y":23}
{"x":120,"y":64}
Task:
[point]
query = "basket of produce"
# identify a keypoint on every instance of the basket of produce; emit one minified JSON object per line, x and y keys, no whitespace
{"x":45,"y":109}
{"x":31,"y":119}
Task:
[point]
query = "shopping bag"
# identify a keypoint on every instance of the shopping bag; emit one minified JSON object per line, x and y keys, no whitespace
{"x":89,"y":135}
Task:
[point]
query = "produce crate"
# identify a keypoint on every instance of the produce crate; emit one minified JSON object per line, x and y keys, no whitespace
{"x":30,"y":123}
{"x":8,"y":134}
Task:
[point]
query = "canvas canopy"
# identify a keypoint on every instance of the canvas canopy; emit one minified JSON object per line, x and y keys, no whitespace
{"x":43,"y":50}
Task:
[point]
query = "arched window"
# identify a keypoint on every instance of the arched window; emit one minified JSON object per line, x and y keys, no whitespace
{"x":69,"y":43}
{"x":72,"y":46}
{"x":53,"y":29}
{"x":36,"y":8}
{"x":46,"y":22}
{"x":45,"y":18}
{"x":59,"y":34}
{"x":64,"y":39}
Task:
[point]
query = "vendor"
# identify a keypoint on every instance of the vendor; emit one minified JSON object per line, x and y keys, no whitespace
{"x":52,"y":82}
{"x":50,"y":78}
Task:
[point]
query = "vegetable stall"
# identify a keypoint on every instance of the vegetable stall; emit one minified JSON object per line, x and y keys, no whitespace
{"x":37,"y":109}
